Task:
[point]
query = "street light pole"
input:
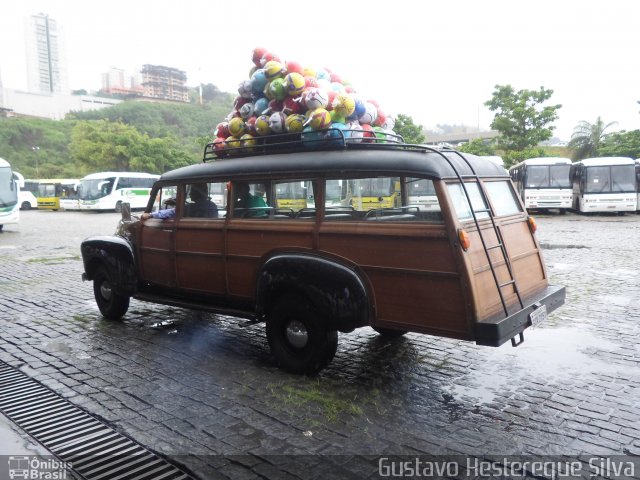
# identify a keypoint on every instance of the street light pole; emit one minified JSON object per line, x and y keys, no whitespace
{"x":36,"y":149}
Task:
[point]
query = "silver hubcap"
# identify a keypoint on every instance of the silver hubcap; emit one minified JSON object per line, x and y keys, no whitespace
{"x":105,"y":290}
{"x":297,"y":334}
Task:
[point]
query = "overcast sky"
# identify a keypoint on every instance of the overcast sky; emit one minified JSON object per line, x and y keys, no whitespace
{"x":435,"y":61}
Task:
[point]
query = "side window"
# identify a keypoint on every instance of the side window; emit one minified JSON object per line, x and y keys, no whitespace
{"x":380,"y":199}
{"x":502,"y":198}
{"x":294,"y":199}
{"x":251,"y":200}
{"x":461,"y":204}
{"x":165,"y":198}
{"x":198,"y":201}
{"x":125,"y":182}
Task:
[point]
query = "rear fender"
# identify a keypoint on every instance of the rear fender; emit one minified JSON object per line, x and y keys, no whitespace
{"x":334,"y":289}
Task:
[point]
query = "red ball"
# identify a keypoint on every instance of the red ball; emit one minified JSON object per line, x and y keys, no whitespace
{"x":368,"y":133}
{"x":257,"y":55}
{"x":240,"y":101}
{"x":222,"y":130}
{"x":219,"y":144}
{"x":310,"y":82}
{"x":275,"y":106}
{"x":294,"y":67}
{"x":374,"y":102}
{"x":250,"y":125}
{"x":380,"y":119}
{"x":349,"y":89}
{"x":332,"y":96}
{"x":335,"y":78}
{"x":292,"y":105}
{"x":267,"y":57}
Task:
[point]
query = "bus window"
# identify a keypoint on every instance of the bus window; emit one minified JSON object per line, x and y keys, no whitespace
{"x":292,"y":195}
{"x":537,"y":176}
{"x":622,"y":178}
{"x":598,"y":179}
{"x":559,"y":176}
{"x":422,"y":193}
{"x":370,"y":193}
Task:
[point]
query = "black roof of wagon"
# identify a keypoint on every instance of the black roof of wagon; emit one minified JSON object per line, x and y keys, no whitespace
{"x":333,"y":158}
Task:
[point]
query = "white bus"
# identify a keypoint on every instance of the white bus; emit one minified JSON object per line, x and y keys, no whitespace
{"x":605,"y":184}
{"x":26,"y":199}
{"x":544,"y":183}
{"x":638,"y":183}
{"x":107,"y":191}
{"x":422,"y":193}
{"x":9,"y":192}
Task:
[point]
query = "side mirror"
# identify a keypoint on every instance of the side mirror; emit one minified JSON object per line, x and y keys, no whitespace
{"x":126,"y":212}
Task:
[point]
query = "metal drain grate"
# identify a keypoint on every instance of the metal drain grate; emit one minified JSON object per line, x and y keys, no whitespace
{"x":92,"y":449}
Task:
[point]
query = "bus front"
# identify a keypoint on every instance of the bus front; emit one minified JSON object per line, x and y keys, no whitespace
{"x":92,"y":191}
{"x":548,"y":186}
{"x":49,"y":196}
{"x":609,"y":188}
{"x":373,"y":193}
{"x":9,"y":208}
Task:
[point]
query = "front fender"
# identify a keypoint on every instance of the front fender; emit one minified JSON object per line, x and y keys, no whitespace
{"x":334,"y":289}
{"x":116,"y":255}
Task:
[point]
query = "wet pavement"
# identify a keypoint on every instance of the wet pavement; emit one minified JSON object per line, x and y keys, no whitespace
{"x":205,"y":392}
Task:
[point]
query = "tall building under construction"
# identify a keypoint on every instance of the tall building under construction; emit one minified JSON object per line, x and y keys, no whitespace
{"x":164,"y":83}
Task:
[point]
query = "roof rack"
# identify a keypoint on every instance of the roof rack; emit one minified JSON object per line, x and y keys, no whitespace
{"x":328,"y":139}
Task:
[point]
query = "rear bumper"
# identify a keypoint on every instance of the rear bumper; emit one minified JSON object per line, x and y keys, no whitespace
{"x":496,"y":331}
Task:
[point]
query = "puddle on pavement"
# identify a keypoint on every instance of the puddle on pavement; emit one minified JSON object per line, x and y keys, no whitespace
{"x":66,"y":349}
{"x":549,"y":354}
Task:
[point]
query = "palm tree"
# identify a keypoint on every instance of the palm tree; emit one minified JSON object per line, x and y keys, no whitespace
{"x":587,"y":138}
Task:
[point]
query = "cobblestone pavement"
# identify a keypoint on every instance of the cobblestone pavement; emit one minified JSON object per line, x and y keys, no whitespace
{"x":205,"y":392}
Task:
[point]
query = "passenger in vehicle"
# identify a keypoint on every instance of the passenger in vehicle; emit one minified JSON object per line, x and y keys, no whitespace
{"x":201,"y":205}
{"x":245,"y":200}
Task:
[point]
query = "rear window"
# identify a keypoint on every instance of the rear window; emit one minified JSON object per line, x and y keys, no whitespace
{"x":502,"y":198}
{"x":461,"y":204}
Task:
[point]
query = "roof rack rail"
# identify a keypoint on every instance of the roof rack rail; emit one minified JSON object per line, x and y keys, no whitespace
{"x":328,"y":139}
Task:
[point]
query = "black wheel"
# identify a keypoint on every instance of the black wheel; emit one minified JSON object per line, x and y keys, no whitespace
{"x":389,"y":332}
{"x":118,"y":208}
{"x":112,"y":305}
{"x":25,"y":206}
{"x":1,"y":227}
{"x":299,"y":337}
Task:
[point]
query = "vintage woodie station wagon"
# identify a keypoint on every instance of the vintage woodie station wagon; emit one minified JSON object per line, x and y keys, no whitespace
{"x":331,"y":235}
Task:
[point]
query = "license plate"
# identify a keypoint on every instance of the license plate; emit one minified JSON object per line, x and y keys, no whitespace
{"x":538,"y":316}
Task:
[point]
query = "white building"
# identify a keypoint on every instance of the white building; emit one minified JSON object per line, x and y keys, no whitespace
{"x":46,"y":55}
{"x":54,"y":106}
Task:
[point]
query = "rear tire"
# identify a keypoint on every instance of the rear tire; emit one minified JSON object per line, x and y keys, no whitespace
{"x":25,"y":206}
{"x":299,"y":338}
{"x":112,"y":305}
{"x":389,"y":332}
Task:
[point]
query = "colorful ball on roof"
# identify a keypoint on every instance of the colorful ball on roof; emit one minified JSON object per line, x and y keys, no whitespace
{"x":277,"y":122}
{"x":367,"y":134}
{"x":344,"y":105}
{"x":246,"y":110}
{"x":336,"y":132}
{"x":274,"y":106}
{"x":222,"y":130}
{"x":370,"y":114}
{"x":358,"y":110}
{"x":244,"y":89}
{"x":309,"y":72}
{"x":389,"y":122}
{"x":236,"y":127}
{"x":273,"y":69}
{"x":258,"y":81}
{"x":336,"y":117}
{"x":257,"y":55}
{"x":310,"y":82}
{"x":219,"y":144}
{"x":316,"y":98}
{"x":277,"y":89}
{"x":262,"y":125}
{"x":232,"y":143}
{"x":293,"y":67}
{"x":292,"y":105}
{"x":267,"y":57}
{"x":319,"y":118}
{"x":335,"y":78}
{"x":354,"y":132}
{"x":337,"y":87}
{"x":310,"y":137}
{"x":295,"y":123}
{"x":261,"y":105}
{"x":380,"y":134}
{"x":380,"y":119}
{"x":250,"y":125}
{"x":294,"y":84}
{"x":322,"y":74}
{"x":331,"y":96}
{"x":248,"y":141}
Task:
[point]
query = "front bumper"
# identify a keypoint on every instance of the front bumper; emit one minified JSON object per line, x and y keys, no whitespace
{"x":495,"y":331}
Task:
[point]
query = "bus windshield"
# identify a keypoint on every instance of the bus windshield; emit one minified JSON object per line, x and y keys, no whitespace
{"x":94,"y":189}
{"x":373,"y":187}
{"x":607,"y":179}
{"x":559,"y":176}
{"x":8,"y":188}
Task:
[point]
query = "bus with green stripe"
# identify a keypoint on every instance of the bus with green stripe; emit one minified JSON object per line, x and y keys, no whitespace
{"x":107,"y":191}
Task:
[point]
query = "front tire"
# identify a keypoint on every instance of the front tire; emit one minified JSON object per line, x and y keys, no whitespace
{"x":112,"y":305}
{"x":25,"y":206}
{"x":299,"y":338}
{"x":389,"y":333}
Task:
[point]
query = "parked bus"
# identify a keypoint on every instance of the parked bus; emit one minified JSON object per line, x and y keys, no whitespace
{"x":26,"y":199}
{"x":109,"y":190}
{"x":422,"y":193}
{"x":638,"y":183}
{"x":605,"y":184}
{"x":9,"y":192}
{"x":544,"y":183}
{"x":52,"y":191}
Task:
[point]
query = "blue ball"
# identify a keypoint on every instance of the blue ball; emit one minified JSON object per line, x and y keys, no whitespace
{"x":258,"y":81}
{"x":261,"y":105}
{"x":359,"y":110}
{"x":312,"y":138}
{"x":337,"y":132}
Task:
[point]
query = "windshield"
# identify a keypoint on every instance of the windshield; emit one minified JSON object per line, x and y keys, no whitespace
{"x":559,"y":176}
{"x":291,"y":190}
{"x":373,"y":187}
{"x":8,"y":188}
{"x":608,"y":179}
{"x":94,"y":189}
{"x":537,"y":176}
{"x":48,"y":190}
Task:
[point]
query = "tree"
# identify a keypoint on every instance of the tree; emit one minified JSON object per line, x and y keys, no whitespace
{"x":520,"y":117}
{"x":411,"y":132}
{"x":478,"y":147}
{"x":621,"y":144}
{"x":587,"y":138}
